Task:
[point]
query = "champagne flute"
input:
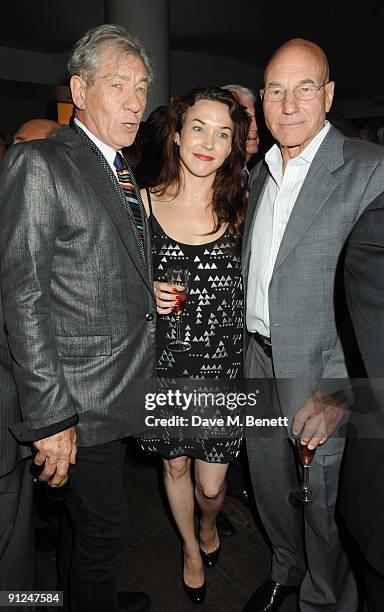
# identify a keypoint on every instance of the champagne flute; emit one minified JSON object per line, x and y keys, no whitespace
{"x":303,"y":492}
{"x":178,"y":276}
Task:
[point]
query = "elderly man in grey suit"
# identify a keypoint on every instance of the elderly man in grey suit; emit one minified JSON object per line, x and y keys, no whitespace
{"x":304,"y":200}
{"x":78,"y":302}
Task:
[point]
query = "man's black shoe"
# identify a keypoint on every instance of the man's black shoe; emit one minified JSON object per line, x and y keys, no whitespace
{"x":133,"y":602}
{"x":224,"y":526}
{"x":268,"y":597}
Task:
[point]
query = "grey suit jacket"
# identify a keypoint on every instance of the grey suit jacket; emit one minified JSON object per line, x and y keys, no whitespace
{"x":308,"y":319}
{"x":78,"y":295}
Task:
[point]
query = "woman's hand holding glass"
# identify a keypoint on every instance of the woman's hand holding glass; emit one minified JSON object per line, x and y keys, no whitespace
{"x":166,"y":296}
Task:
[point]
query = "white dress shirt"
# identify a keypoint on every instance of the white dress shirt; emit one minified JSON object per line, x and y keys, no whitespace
{"x":106,"y":150}
{"x":272,"y":217}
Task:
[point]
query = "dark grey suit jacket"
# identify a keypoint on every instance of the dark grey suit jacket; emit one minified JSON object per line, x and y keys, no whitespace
{"x":77,"y":293}
{"x":10,"y":413}
{"x":306,"y":303}
{"x":362,"y":494}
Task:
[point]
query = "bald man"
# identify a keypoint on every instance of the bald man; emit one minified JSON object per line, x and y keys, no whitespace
{"x":305,"y":197}
{"x":35,"y":129}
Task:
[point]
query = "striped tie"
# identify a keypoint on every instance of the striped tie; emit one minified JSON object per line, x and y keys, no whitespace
{"x":126,"y":183}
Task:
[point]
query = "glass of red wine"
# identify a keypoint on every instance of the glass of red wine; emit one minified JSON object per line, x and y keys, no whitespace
{"x":178,"y":276}
{"x":303,"y":492}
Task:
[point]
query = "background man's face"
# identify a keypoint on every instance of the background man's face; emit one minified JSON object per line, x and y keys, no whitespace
{"x":292,"y":122}
{"x":112,"y":107}
{"x":253,"y":134}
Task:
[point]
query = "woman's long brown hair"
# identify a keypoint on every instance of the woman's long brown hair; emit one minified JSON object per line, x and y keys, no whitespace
{"x":229,"y":186}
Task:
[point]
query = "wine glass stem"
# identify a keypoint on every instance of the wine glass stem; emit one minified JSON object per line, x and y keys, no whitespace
{"x":306,"y":476}
{"x":178,"y":332}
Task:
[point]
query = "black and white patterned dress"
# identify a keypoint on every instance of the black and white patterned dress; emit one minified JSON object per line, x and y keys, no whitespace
{"x":213,"y":324}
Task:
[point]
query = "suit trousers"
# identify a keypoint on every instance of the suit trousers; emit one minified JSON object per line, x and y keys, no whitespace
{"x":306,"y":546}
{"x":16,"y":530}
{"x":90,"y":553}
{"x":374,"y":585}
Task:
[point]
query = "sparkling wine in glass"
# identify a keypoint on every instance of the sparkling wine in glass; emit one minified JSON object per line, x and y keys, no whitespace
{"x":178,"y":276}
{"x":303,"y":492}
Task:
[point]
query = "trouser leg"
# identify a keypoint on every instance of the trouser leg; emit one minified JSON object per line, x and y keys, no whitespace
{"x":16,"y":530}
{"x":329,"y":584}
{"x":274,"y":477}
{"x":374,"y":584}
{"x":306,"y":546}
{"x":273,"y":471}
{"x":98,"y":510}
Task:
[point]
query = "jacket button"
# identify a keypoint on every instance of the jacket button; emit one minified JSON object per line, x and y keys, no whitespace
{"x":149,"y":316}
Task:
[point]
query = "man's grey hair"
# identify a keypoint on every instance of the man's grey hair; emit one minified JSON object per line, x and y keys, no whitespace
{"x":85,"y":56}
{"x":241,"y":91}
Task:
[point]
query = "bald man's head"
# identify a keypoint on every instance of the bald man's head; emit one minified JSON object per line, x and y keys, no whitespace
{"x":297,"y":95}
{"x":35,"y":129}
{"x":301,"y":46}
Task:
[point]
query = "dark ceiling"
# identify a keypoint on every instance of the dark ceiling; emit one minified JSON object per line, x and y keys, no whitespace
{"x":245,"y":30}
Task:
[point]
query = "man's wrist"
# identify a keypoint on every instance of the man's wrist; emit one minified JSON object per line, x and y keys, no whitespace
{"x":31,"y":435}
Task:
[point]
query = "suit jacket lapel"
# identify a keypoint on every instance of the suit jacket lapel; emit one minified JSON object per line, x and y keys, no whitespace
{"x":317,"y":188}
{"x":315,"y":191}
{"x":257,"y":184}
{"x":110,"y":198}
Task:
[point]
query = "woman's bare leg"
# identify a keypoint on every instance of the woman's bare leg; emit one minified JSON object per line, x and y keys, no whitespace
{"x":210,"y":494}
{"x":179,"y":487}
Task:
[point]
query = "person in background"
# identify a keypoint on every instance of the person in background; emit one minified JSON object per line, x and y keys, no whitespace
{"x":196,"y":212}
{"x":361,"y":499}
{"x":380,"y":135}
{"x":78,"y":304}
{"x":304,"y":200}
{"x":16,"y":515}
{"x":238,"y":473}
{"x":365,"y":132}
{"x":4,"y":143}
{"x":150,"y":144}
{"x":247,"y":98}
{"x":34,"y":129}
{"x":16,"y":485}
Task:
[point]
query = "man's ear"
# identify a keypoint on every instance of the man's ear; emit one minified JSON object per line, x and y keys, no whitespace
{"x":78,"y":90}
{"x":329,"y":91}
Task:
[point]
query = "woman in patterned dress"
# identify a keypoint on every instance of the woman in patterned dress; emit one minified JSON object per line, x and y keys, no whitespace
{"x":196,"y":213}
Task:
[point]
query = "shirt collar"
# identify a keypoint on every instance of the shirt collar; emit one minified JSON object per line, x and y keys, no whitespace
{"x":106,"y":150}
{"x":273,"y":157}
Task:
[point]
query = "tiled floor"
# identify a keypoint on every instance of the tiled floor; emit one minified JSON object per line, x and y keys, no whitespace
{"x":153,"y":557}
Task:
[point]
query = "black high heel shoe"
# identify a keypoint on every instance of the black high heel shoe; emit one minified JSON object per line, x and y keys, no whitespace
{"x":196,"y":595}
{"x":210,"y":559}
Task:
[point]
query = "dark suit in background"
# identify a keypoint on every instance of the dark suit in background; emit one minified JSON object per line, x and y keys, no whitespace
{"x":16,"y":528}
{"x":362,"y":494}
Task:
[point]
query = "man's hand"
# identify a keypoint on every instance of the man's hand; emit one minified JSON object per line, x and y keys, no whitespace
{"x":318,"y":419}
{"x":57,"y":452}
